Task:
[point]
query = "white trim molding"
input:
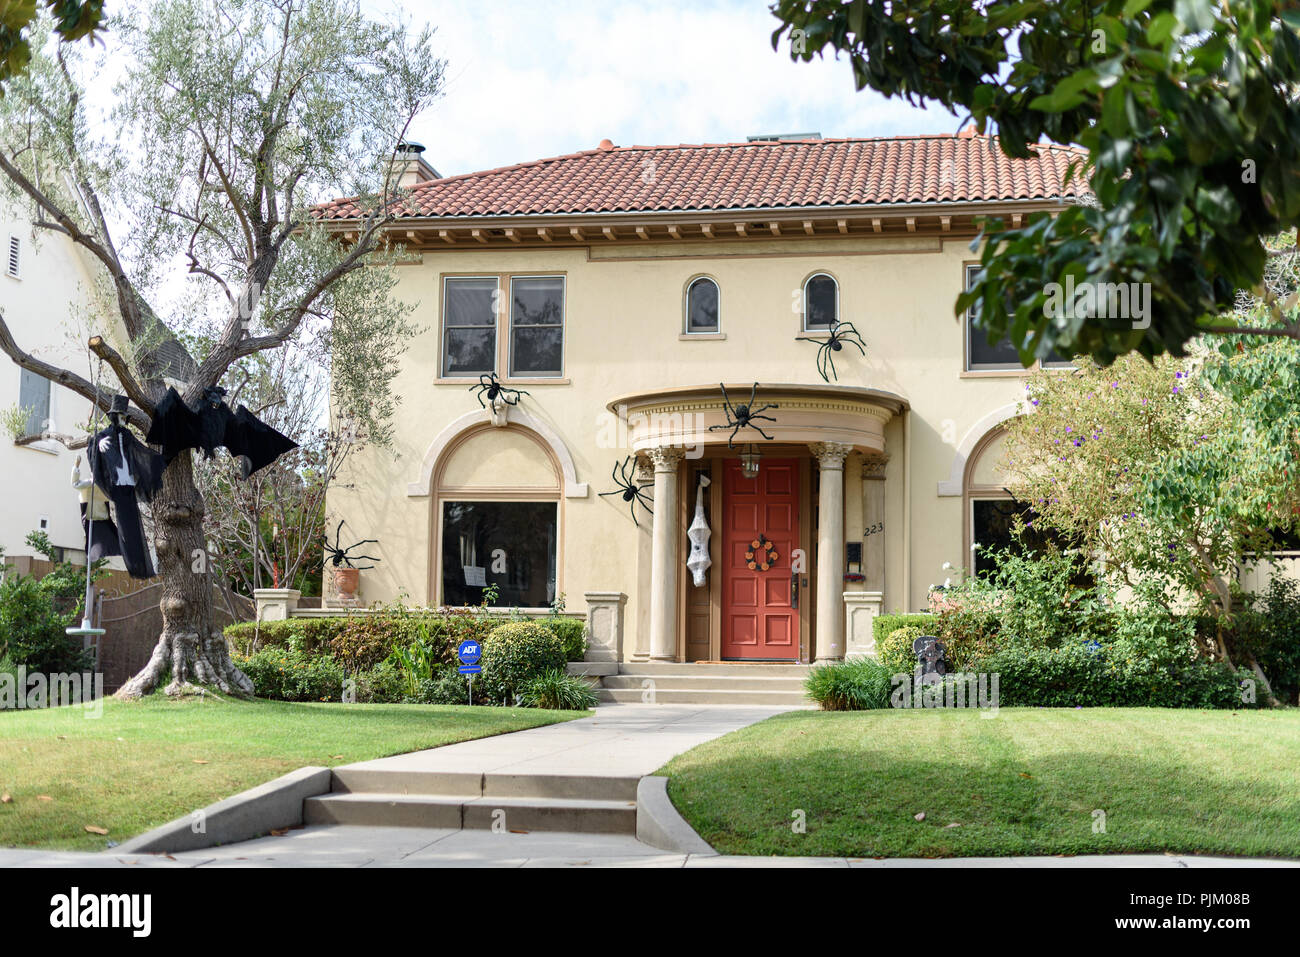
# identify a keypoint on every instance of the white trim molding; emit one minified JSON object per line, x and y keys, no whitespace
{"x":424,"y":485}
{"x":952,"y":487}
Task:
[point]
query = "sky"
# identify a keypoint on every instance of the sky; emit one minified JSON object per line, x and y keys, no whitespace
{"x":528,"y":79}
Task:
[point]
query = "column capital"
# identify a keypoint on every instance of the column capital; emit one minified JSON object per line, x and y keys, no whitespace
{"x":874,"y":468}
{"x":666,"y":458}
{"x":830,"y":455}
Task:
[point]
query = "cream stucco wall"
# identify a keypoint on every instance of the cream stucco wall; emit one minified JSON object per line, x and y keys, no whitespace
{"x":622,"y":334}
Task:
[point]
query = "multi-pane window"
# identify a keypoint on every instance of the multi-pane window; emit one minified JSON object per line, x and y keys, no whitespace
{"x":821,"y":302}
{"x":537,"y":326}
{"x":34,"y":399}
{"x":702,"y":306}
{"x":1000,"y":355}
{"x":469,"y":326}
{"x":511,"y":545}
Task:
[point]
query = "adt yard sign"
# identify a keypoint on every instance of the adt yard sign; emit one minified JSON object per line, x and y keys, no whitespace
{"x":469,"y":652}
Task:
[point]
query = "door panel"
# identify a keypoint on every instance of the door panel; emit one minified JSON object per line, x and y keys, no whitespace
{"x":758,"y":618}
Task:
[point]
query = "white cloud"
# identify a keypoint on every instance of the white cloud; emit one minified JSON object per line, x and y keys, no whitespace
{"x":542,"y":78}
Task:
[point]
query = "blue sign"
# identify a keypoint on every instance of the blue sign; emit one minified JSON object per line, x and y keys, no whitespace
{"x":470,"y":669}
{"x":469,"y":652}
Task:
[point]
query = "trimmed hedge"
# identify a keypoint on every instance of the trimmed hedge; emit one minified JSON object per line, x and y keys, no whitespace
{"x":572,"y":633}
{"x":884,"y":624}
{"x":515,"y":653}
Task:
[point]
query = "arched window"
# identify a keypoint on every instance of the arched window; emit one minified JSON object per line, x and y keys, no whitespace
{"x":496,"y":517}
{"x":821,"y":301}
{"x":702,"y":300}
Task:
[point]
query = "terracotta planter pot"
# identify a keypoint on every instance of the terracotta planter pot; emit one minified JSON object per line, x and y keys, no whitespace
{"x":346,"y":581}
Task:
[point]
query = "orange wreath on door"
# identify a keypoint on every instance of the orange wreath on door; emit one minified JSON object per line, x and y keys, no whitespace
{"x":761,"y":554}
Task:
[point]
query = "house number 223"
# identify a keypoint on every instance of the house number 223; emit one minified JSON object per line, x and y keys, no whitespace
{"x":874,"y":529}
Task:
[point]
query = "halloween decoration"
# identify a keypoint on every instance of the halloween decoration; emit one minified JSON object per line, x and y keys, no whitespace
{"x":340,"y":557}
{"x":761,"y":554}
{"x":490,"y":385}
{"x":623,"y":475}
{"x":130,"y":473}
{"x":699,"y":533}
{"x":840,"y":333}
{"x":929,"y":655}
{"x":743,"y":416}
{"x":176,"y":427}
{"x":96,"y":523}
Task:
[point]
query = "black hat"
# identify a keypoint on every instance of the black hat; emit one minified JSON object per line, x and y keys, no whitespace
{"x":120,"y":405}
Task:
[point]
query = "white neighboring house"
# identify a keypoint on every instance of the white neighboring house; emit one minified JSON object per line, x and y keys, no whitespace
{"x":46,"y":292}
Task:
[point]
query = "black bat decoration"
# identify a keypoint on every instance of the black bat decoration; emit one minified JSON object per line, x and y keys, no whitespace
{"x":176,"y":427}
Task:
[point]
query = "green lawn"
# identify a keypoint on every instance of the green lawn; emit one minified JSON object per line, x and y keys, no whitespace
{"x":144,"y":763}
{"x":1024,"y":782}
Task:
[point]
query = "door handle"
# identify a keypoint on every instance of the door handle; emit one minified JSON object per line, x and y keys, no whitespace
{"x":794,"y":590}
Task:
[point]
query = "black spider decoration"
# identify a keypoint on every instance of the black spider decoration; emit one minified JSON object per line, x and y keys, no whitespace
{"x":339,"y":556}
{"x":623,"y":475}
{"x":490,"y":385}
{"x":840,"y":333}
{"x":742,"y":416}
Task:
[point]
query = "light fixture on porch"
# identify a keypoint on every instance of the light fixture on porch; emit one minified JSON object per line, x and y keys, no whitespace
{"x":749,"y":459}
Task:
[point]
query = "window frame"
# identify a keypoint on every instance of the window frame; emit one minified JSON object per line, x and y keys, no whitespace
{"x":716,"y":332}
{"x":803,"y":304}
{"x":967,"y":372}
{"x":501,"y":355}
{"x":27,"y":375}
{"x":488,"y":497}
{"x":443,"y":329}
{"x":510,"y":325}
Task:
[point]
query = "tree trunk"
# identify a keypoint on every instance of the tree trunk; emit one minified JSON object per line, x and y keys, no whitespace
{"x":191,"y":648}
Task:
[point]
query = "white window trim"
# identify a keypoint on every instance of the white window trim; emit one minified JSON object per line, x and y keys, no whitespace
{"x":686,"y":307}
{"x":803,"y":304}
{"x":510,"y":326}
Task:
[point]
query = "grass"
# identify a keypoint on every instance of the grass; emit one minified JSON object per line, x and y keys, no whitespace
{"x":1025,"y":782}
{"x":147,"y":762}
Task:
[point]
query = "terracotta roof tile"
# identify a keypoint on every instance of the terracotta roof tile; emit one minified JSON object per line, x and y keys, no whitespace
{"x":764,"y":175}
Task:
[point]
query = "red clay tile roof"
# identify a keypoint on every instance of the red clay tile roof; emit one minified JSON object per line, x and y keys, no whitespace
{"x":764,"y":175}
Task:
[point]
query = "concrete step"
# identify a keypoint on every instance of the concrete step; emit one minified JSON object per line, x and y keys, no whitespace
{"x":728,"y":669}
{"x":669,"y":682}
{"x":473,"y":811}
{"x":704,"y":696}
{"x":362,"y":780}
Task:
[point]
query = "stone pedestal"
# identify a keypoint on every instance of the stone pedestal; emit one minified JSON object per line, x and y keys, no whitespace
{"x":276,"y":604}
{"x":860,"y":611}
{"x":605,"y":625}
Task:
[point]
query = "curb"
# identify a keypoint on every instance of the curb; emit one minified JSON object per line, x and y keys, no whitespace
{"x":246,"y":815}
{"x":658,"y":823}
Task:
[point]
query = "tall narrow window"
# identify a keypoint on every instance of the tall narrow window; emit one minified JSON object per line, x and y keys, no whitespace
{"x":15,"y":252}
{"x":821,"y":302}
{"x":469,"y":327}
{"x":34,"y":399}
{"x":981,"y":355}
{"x":702,"y":306}
{"x":537,"y":327}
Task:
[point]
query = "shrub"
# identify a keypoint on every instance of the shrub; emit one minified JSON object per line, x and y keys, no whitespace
{"x":381,"y":684}
{"x":884,"y":624}
{"x":32,"y":631}
{"x":1270,"y":630}
{"x":894,"y":651}
{"x":857,"y":684}
{"x":559,"y":691}
{"x":291,"y":675}
{"x":447,"y":686}
{"x":572,"y":633}
{"x":515,"y":652}
{"x":246,"y":638}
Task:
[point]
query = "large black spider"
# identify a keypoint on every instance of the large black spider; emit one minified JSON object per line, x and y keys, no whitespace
{"x":339,"y":556}
{"x":628,"y":488}
{"x":839,"y":333}
{"x":742,"y":416}
{"x":490,"y":385}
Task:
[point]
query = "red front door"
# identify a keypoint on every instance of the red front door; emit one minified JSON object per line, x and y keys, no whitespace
{"x":759,"y":619}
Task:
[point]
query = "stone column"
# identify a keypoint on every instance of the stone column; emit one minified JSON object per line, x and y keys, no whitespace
{"x":830,"y":550}
{"x":663,"y":564}
{"x":873,"y":516}
{"x":605,"y":625}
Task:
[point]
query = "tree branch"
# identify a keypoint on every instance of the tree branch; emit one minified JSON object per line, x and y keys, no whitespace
{"x":123,"y":372}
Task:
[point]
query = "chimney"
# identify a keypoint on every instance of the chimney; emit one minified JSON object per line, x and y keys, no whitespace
{"x":409,"y":166}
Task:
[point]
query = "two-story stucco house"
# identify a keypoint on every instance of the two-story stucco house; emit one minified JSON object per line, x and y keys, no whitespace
{"x":618,"y":290}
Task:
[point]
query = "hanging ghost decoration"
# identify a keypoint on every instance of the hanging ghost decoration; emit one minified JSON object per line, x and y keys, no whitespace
{"x":699,"y":560}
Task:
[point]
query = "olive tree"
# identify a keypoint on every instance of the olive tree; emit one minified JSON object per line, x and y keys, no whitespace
{"x":229,"y":120}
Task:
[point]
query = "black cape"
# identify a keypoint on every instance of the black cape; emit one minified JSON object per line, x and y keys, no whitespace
{"x":130,"y":473}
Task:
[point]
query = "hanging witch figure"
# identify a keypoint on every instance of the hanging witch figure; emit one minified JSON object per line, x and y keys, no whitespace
{"x":130,"y":474}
